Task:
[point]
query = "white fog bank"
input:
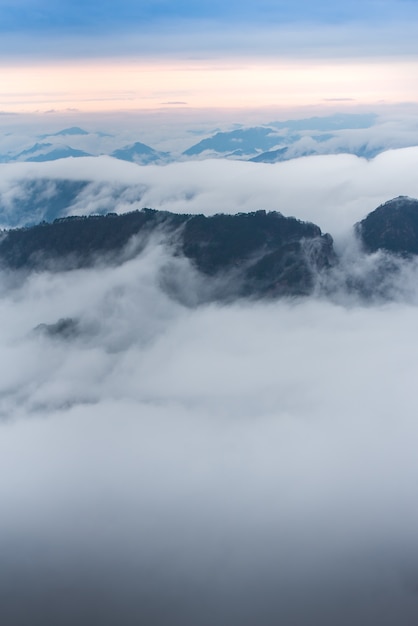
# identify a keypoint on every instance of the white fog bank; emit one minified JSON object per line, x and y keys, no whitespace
{"x":333,"y":191}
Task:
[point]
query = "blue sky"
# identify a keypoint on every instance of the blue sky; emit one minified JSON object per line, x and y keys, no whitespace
{"x":64,"y":15}
{"x":43,"y":16}
{"x":86,"y":28}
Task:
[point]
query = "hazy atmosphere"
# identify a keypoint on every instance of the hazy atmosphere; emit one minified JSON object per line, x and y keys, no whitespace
{"x":168,"y":456}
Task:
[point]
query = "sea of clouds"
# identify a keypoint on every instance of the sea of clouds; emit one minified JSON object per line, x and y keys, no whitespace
{"x":246,"y":464}
{"x":334,"y":191}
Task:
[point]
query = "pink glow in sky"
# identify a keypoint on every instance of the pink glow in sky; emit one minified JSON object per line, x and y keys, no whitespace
{"x":105,"y":85}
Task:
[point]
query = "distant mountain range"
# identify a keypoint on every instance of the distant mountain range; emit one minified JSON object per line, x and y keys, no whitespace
{"x":338,"y":121}
{"x":274,"y":142}
{"x":251,"y":255}
{"x":239,"y":142}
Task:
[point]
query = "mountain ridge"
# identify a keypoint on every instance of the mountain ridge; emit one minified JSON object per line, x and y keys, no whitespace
{"x":267,"y":253}
{"x":253,"y":255}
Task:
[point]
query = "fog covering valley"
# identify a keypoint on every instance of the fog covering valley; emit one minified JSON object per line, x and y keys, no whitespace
{"x":243,"y":463}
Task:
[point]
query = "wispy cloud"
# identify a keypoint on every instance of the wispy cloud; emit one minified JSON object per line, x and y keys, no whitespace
{"x":174,"y":102}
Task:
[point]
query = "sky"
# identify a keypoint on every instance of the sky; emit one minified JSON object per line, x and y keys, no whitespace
{"x":105,"y":56}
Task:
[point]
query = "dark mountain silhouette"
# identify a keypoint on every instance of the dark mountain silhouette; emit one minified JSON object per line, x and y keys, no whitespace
{"x":264,"y":253}
{"x":250,"y":255}
{"x":393,"y":227}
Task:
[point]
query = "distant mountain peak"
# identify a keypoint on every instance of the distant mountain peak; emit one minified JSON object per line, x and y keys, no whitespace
{"x":56,"y":152}
{"x":73,"y":130}
{"x":40,"y":152}
{"x":65,"y":132}
{"x":35,"y":148}
{"x":248,"y":140}
{"x":139,"y":153}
